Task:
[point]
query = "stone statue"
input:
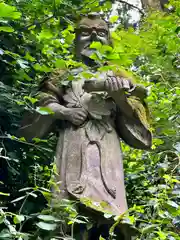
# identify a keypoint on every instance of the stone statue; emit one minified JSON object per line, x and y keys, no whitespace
{"x":93,"y":115}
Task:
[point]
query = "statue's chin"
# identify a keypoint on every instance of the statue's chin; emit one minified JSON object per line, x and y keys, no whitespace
{"x":87,"y":52}
{"x":86,"y":57}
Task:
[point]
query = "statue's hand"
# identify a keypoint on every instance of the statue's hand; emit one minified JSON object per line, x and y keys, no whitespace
{"x":115,"y":84}
{"x":75,"y":115}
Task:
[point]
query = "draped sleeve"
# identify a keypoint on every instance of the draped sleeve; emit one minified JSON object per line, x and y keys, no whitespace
{"x":35,"y":124}
{"x":135,"y":130}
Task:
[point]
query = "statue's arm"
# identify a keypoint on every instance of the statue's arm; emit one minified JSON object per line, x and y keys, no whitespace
{"x":132,"y":111}
{"x":132,"y":122}
{"x":37,"y":125}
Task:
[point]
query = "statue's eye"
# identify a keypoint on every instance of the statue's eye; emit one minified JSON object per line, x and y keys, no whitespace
{"x":85,"y":33}
{"x":102,"y":33}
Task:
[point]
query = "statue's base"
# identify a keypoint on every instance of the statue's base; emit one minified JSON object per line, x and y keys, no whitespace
{"x":102,"y":230}
{"x":101,"y":227}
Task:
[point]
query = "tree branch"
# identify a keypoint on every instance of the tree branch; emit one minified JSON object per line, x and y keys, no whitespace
{"x":132,"y":6}
{"x":37,"y":23}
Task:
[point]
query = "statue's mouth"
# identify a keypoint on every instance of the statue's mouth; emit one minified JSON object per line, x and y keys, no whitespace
{"x":87,"y":52}
{"x":86,"y":57}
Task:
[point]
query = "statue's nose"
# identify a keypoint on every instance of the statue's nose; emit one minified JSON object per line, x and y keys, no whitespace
{"x":94,"y":36}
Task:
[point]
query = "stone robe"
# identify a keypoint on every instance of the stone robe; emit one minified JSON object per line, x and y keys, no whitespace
{"x":89,"y":157}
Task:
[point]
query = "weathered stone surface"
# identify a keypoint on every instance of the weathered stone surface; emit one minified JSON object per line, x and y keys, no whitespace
{"x":88,"y":154}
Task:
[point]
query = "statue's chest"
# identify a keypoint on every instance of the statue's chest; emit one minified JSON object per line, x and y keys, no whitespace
{"x":101,"y":110}
{"x":97,"y":104}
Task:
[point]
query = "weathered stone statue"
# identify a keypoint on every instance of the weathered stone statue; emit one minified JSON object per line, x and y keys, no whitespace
{"x":93,"y":115}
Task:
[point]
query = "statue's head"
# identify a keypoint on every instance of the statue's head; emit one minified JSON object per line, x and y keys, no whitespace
{"x":90,"y":29}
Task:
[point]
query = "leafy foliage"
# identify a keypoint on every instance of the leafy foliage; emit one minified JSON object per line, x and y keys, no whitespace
{"x":36,"y":37}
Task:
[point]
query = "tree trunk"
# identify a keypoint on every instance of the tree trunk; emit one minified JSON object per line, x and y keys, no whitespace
{"x":151,"y":4}
{"x":157,"y":4}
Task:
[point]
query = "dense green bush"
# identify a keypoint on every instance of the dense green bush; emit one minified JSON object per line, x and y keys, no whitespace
{"x":35,"y":36}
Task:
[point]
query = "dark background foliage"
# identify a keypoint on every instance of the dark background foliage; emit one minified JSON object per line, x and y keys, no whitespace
{"x":37,"y":37}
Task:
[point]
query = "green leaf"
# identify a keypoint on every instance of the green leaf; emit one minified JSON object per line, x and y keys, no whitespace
{"x":25,"y":189}
{"x":18,"y":199}
{"x":5,"y":234}
{"x":87,"y":75}
{"x":101,"y":238}
{"x":38,"y":140}
{"x":47,"y":226}
{"x":112,"y":56}
{"x":29,"y":57}
{"x":60,"y":63}
{"x":107,"y":215}
{"x":76,"y":220}
{"x":115,"y":36}
{"x":4,"y":194}
{"x":158,"y":141}
{"x":162,"y":235}
{"x":44,"y":110}
{"x":23,"y":64}
{"x":41,"y":68}
{"x":119,"y":49}
{"x":32,"y":194}
{"x":1,"y":51}
{"x":45,"y":189}
{"x":45,"y":34}
{"x":8,"y":11}
{"x":31,"y":99}
{"x":113,"y":19}
{"x":20,"y":103}
{"x":6,"y":29}
{"x":172,"y":204}
{"x":2,"y":219}
{"x":149,"y":228}
{"x":96,"y":45}
{"x":106,"y":48}
{"x":177,"y":29}
{"x":18,"y":219}
{"x":48,"y":218}
{"x":22,"y":139}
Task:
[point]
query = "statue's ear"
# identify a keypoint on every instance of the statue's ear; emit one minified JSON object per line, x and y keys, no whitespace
{"x":75,"y":44}
{"x":110,"y":41}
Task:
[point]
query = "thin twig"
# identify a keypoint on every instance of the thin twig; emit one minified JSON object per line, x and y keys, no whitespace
{"x":86,"y":5}
{"x":36,"y":23}
{"x":132,"y":6}
{"x":27,"y":143}
{"x":43,"y":21}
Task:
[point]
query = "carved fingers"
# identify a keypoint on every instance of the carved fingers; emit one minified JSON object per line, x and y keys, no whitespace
{"x":76,"y":115}
{"x":116,"y":83}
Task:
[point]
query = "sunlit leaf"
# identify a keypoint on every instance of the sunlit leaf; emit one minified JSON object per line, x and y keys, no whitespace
{"x":31,"y":99}
{"x":18,"y":219}
{"x":96,"y":45}
{"x":4,"y":194}
{"x":18,"y":199}
{"x":60,"y":63}
{"x":6,"y":29}
{"x":47,"y":226}
{"x":8,"y":11}
{"x":172,"y":204}
{"x":113,"y":19}
{"x":44,"y":110}
{"x":48,"y":218}
{"x":149,"y":228}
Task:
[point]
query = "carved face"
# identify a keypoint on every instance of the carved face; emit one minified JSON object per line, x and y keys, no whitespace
{"x":88,"y":31}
